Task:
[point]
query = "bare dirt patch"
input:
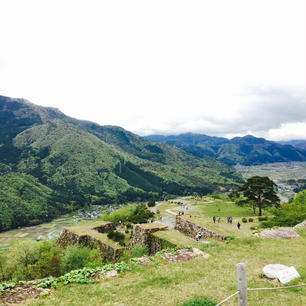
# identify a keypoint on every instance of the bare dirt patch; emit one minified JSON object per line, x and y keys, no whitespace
{"x":19,"y":295}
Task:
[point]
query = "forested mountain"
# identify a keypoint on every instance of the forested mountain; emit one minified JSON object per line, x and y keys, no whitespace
{"x":298,"y":143}
{"x":247,"y":150}
{"x":51,"y":164}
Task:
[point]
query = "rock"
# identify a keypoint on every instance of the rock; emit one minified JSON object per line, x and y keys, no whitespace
{"x":184,"y":255}
{"x":301,"y":225}
{"x":145,"y":261}
{"x":281,"y":232}
{"x":270,"y":270}
{"x":111,"y":273}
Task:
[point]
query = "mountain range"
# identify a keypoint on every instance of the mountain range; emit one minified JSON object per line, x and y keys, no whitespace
{"x":298,"y":143}
{"x":51,"y":164}
{"x":247,"y":150}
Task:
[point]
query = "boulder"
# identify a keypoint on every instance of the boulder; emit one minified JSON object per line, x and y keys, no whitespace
{"x":184,"y":255}
{"x":301,"y":225}
{"x":270,"y":270}
{"x":281,"y":232}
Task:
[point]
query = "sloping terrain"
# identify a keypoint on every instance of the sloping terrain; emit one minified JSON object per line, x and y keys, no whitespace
{"x":79,"y":162}
{"x":247,"y":150}
{"x":298,"y":143}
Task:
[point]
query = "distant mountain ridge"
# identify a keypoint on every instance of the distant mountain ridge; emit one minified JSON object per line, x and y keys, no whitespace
{"x":247,"y":150}
{"x":51,"y":164}
{"x":297,"y":143}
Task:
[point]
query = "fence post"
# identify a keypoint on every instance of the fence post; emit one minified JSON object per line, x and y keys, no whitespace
{"x":242,"y":284}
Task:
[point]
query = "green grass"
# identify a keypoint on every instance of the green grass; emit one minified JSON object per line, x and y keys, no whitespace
{"x":7,"y":237}
{"x":174,"y":236}
{"x":203,"y":210}
{"x":213,"y":278}
{"x":87,"y":229}
{"x":222,"y":208}
{"x":223,"y":227}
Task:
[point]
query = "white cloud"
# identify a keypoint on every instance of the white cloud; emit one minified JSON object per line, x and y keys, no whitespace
{"x":163,"y":65}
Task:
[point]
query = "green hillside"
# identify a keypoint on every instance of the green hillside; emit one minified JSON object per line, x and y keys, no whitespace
{"x":80,"y":162}
{"x":24,"y":201}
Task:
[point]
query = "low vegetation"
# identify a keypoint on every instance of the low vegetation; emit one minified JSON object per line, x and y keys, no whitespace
{"x":130,"y":214}
{"x":289,"y":214}
{"x":210,"y":279}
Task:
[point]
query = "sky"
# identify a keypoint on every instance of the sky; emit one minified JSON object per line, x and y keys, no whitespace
{"x":215,"y":67}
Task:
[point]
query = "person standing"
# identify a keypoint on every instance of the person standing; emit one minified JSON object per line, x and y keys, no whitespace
{"x":238,"y":225}
{"x":214,"y":219}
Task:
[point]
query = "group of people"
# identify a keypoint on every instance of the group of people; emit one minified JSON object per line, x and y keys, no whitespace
{"x":180,"y":213}
{"x":228,"y":219}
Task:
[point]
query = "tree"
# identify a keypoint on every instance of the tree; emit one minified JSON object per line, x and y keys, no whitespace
{"x":151,"y":202}
{"x":261,"y":191}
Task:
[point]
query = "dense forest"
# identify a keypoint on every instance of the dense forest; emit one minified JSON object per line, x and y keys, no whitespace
{"x":51,"y":164}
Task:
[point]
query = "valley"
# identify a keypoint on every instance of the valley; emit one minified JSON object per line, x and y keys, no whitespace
{"x":290,"y":177}
{"x":75,"y":204}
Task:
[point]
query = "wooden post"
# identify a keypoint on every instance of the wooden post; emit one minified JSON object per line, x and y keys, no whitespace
{"x":242,"y":284}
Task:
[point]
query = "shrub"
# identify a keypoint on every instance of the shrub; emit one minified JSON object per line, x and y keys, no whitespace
{"x":122,"y":243}
{"x":251,"y":220}
{"x":200,"y":302}
{"x":27,"y":260}
{"x":141,"y":215}
{"x":151,"y":202}
{"x":289,"y":214}
{"x":16,"y":261}
{"x":122,"y":214}
{"x":244,"y":220}
{"x":263,"y":218}
{"x":75,"y":257}
{"x":116,"y":236}
{"x":95,"y":258}
{"x":139,"y":250}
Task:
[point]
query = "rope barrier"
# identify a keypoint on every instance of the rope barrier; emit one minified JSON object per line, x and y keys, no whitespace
{"x":277,"y":288}
{"x":228,"y":298}
{"x":256,"y":289}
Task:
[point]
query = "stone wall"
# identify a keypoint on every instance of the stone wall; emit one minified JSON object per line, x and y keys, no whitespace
{"x":187,"y":227}
{"x":105,"y":228}
{"x":157,"y":244}
{"x":107,"y":252}
{"x":143,"y":235}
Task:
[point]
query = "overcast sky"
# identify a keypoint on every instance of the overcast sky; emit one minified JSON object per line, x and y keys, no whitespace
{"x":218,"y":67}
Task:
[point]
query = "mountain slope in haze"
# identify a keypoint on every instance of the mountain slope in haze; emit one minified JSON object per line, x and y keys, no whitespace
{"x":297,"y":143}
{"x":74,"y":163}
{"x":247,"y":150}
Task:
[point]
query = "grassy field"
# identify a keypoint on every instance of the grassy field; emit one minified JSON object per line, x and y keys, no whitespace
{"x":32,"y":232}
{"x":179,"y":239}
{"x":203,"y":213}
{"x":215,"y":278}
{"x":223,"y":208}
{"x":203,"y":210}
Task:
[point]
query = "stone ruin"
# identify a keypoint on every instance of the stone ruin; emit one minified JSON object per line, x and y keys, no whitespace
{"x":92,"y":235}
{"x":187,"y":227}
{"x":143,"y":234}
